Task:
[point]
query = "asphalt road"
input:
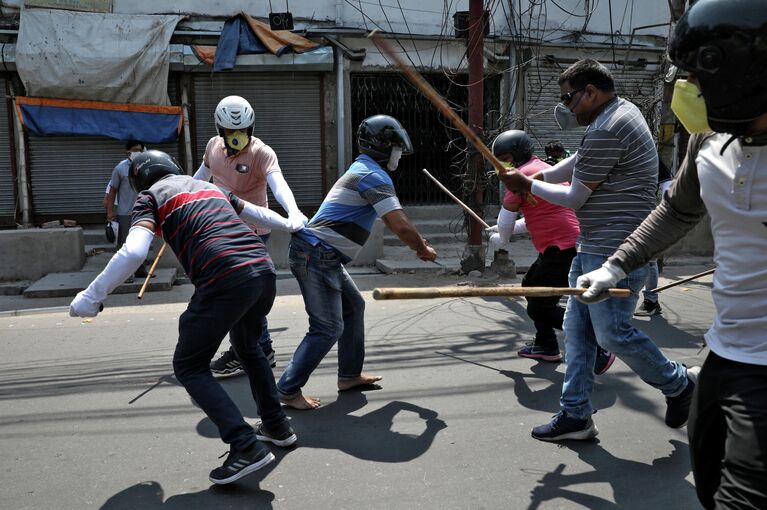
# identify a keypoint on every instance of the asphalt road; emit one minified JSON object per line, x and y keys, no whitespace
{"x":91,"y":416}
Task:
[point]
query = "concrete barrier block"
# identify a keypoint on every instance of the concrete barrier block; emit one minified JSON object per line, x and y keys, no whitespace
{"x":30,"y":254}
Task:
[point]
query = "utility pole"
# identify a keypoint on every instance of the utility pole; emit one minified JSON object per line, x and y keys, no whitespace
{"x":474,"y":255}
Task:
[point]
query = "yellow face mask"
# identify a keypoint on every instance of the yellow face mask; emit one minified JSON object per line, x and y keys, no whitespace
{"x":689,"y":107}
{"x":237,"y":140}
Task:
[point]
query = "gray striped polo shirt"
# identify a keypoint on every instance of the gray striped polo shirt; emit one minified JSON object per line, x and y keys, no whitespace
{"x":618,"y":152}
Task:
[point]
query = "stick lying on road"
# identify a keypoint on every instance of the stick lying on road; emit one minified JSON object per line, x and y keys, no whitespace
{"x":444,"y":292}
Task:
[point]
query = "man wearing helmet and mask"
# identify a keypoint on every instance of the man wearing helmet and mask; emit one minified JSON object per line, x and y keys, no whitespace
{"x":332,"y":238}
{"x":553,"y":230}
{"x":722,"y":44}
{"x":234,"y":281}
{"x":237,"y":161}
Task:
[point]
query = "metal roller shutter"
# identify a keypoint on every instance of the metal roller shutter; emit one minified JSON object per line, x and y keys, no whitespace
{"x":637,"y":84}
{"x":70,"y":173}
{"x":288,"y":118}
{"x":7,"y":196}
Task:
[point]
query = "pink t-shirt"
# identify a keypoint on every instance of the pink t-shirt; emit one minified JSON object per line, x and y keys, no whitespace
{"x":244,"y":174}
{"x":548,"y":224}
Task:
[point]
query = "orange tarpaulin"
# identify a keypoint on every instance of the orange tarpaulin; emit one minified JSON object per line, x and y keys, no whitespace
{"x":276,"y":40}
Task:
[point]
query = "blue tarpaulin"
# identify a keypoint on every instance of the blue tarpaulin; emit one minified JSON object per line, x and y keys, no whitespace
{"x":236,"y":39}
{"x":148,"y":123}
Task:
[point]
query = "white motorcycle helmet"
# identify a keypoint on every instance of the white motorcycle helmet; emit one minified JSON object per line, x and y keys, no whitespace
{"x":235,"y":113}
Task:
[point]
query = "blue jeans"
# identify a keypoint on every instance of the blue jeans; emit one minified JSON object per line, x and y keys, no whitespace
{"x":608,"y":323}
{"x":210,"y":315}
{"x":336,"y":312}
{"x":652,"y":282}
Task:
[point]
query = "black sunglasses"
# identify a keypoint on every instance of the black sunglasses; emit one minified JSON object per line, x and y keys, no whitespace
{"x":566,"y":98}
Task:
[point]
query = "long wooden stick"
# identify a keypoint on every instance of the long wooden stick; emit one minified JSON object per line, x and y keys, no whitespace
{"x":151,"y":270}
{"x":456,"y":199}
{"x":437,"y":100}
{"x":683,"y":280}
{"x":444,"y":292}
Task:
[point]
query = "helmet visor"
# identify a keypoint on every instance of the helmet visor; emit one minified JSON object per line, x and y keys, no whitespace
{"x":402,"y":139}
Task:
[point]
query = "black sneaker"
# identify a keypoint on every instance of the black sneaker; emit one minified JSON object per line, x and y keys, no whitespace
{"x":270,"y":359}
{"x":678,"y":407}
{"x":284,"y":436}
{"x":227,"y":365}
{"x":648,"y":309}
{"x":604,"y":361}
{"x":565,"y":427}
{"x":241,"y":463}
{"x":539,"y":352}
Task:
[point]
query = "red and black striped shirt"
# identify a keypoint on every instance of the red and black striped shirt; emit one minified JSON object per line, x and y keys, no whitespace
{"x":200,"y":225}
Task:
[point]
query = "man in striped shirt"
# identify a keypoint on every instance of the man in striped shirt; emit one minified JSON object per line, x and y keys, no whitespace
{"x":613,"y":179}
{"x":234,"y":281}
{"x":331,"y":239}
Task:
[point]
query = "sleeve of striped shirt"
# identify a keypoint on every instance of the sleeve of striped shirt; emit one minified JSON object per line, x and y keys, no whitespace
{"x":379,"y":192}
{"x":598,"y":154}
{"x":681,"y":209}
{"x":145,"y":208}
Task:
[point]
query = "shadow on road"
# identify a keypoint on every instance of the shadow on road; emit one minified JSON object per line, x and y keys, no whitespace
{"x":635,"y":485}
{"x":150,"y":496}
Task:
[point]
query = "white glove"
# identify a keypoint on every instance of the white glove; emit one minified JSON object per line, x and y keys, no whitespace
{"x":295,"y":223}
{"x":81,"y":306}
{"x":496,"y":243}
{"x":598,"y":281}
{"x":492,"y":230}
{"x":298,"y":216}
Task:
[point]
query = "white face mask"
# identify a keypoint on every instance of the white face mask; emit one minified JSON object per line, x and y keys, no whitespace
{"x":396,"y":153}
{"x":564,"y":118}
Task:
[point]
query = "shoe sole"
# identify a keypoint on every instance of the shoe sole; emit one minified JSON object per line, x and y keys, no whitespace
{"x":244,"y":471}
{"x":609,"y":364}
{"x":224,"y":375}
{"x":580,"y":435}
{"x":544,"y":357}
{"x":279,"y":442}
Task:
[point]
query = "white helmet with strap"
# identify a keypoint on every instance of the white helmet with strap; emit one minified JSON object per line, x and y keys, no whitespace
{"x":234,"y":112}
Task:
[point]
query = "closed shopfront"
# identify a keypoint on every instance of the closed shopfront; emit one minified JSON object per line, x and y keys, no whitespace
{"x":288,"y":109}
{"x":69,"y":174}
{"x":7,"y":189}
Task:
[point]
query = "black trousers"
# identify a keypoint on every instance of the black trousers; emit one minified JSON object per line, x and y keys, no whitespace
{"x":211,"y":314}
{"x":550,"y":269}
{"x":728,"y":434}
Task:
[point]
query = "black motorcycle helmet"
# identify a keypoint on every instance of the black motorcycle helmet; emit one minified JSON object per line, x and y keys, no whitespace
{"x":377,"y":135}
{"x":148,"y":167}
{"x":516,"y":143}
{"x":724,"y":44}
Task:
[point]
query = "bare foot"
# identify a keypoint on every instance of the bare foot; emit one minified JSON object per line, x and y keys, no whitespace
{"x":362,"y":380}
{"x":301,"y":402}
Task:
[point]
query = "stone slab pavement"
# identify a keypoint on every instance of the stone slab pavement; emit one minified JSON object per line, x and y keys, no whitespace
{"x":91,"y":416}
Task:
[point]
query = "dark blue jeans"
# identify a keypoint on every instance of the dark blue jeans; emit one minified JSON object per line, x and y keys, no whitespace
{"x":210,"y":315}
{"x":336,"y":314}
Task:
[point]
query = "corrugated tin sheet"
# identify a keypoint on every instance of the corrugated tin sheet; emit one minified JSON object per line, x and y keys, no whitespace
{"x":288,"y":118}
{"x":7,"y":197}
{"x":637,"y":84}
{"x":70,"y":173}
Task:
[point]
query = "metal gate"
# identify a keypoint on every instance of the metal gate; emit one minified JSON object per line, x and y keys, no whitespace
{"x":438,"y":147}
{"x":7,"y":189}
{"x":288,"y":108}
{"x":637,"y":84}
{"x":69,"y":174}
